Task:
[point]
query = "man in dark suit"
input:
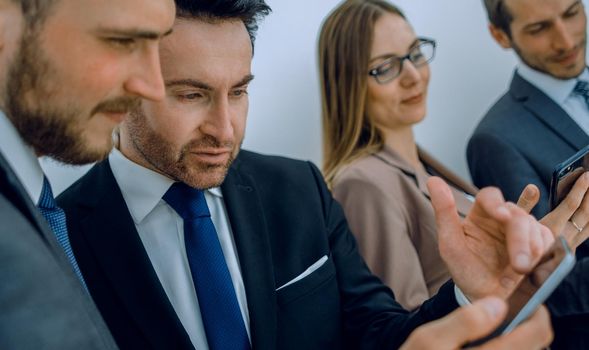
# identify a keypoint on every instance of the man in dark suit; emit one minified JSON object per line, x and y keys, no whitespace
{"x":187,"y":242}
{"x":543,"y":118}
{"x":66,"y":78}
{"x":539,"y":122}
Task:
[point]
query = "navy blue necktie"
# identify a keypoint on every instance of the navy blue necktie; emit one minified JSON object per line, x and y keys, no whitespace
{"x":55,"y":217}
{"x":582,"y":89}
{"x":221,"y":315}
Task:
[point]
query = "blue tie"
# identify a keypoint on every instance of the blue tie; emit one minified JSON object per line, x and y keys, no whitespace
{"x":56,"y":219}
{"x":219,"y":308}
{"x":582,"y":89}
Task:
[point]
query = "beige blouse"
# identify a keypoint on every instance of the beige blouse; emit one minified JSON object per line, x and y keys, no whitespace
{"x":387,"y":205}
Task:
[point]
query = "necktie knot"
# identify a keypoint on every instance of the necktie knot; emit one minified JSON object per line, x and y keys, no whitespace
{"x":188,"y":202}
{"x":582,"y":88}
{"x":46,"y":201}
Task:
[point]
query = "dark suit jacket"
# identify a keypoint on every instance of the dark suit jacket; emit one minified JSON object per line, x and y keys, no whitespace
{"x":42,"y":303}
{"x":520,"y":141}
{"x":283,"y":220}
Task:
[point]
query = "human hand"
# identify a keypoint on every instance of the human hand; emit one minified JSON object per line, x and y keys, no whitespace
{"x":488,"y":252}
{"x":475,"y":321}
{"x":570,"y":217}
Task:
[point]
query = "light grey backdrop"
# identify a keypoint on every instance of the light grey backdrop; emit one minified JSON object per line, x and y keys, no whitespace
{"x":468,"y":74}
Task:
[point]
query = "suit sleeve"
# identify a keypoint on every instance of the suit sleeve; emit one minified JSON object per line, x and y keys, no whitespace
{"x":372,"y":319}
{"x":380,"y":224}
{"x":41,"y":306}
{"x":569,"y":309}
{"x":495,"y":162}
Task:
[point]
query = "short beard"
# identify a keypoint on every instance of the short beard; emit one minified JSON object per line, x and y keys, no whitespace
{"x":166,"y":159}
{"x":524,"y":59}
{"x":52,"y":128}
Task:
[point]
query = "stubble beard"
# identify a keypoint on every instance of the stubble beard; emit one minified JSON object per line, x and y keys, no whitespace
{"x":544,"y":67}
{"x":52,"y":126}
{"x":166,"y":159}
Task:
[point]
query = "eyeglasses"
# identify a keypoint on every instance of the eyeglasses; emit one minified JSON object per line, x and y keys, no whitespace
{"x":418,"y":55}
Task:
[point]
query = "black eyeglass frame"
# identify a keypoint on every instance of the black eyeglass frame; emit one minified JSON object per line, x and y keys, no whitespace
{"x":421,"y":41}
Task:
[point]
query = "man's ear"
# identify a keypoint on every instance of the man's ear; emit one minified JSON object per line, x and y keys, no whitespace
{"x":500,"y":36}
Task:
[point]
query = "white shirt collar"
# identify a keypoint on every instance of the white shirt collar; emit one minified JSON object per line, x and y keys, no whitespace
{"x":557,"y":89}
{"x":142,"y":188}
{"x":22,"y":158}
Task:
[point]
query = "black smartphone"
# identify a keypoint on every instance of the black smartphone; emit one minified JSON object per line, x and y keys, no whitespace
{"x":566,"y":174}
{"x":535,"y":288}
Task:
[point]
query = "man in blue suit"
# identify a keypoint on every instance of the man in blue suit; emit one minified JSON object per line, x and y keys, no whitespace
{"x":540,"y":121}
{"x":69,"y":70}
{"x":544,"y":117}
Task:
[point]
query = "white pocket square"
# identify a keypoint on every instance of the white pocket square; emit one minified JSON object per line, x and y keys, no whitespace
{"x":306,"y":273}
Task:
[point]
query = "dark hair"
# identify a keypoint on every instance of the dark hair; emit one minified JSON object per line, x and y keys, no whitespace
{"x":499,"y":15}
{"x":248,"y":11}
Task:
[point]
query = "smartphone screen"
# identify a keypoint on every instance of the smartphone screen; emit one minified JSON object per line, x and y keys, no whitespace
{"x":535,"y":287}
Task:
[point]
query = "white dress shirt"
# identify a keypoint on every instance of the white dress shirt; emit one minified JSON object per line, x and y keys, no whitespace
{"x":21,"y":158}
{"x":561,"y":92}
{"x":161,"y":230}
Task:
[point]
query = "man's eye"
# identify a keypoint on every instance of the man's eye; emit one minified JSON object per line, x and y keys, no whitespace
{"x":571,"y":13}
{"x":191,"y":96}
{"x":239,"y":93}
{"x":122,"y":42}
{"x":536,"y":29}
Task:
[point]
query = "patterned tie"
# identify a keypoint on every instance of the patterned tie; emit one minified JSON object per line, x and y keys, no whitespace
{"x":221,"y":315}
{"x":582,"y":89}
{"x":55,"y":216}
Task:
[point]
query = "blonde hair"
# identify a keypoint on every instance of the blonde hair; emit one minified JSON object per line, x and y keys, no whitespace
{"x":345,"y":43}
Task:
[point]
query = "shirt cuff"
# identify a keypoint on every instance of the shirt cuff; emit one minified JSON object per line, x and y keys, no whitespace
{"x":460,"y":297}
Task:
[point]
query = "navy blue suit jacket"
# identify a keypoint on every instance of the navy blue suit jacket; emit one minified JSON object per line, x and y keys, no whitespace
{"x":42,"y":303}
{"x":520,"y":141}
{"x":283,"y":220}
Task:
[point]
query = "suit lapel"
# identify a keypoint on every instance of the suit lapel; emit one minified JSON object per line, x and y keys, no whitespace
{"x":548,"y":112}
{"x":246,"y":216}
{"x":13,"y":189}
{"x":112,"y":235}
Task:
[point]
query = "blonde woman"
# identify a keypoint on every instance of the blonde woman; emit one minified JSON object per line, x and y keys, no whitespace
{"x":374,"y":75}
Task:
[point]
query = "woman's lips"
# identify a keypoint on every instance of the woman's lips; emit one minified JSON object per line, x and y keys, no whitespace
{"x":413,"y":100}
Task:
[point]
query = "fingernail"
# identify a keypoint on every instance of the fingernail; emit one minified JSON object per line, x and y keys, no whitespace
{"x":528,"y":192}
{"x":493,"y":306}
{"x":522,"y":260}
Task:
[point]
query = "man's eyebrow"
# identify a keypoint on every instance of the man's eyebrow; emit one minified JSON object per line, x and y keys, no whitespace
{"x":246,"y":80}
{"x":576,"y":3}
{"x":133,"y":33}
{"x":189,"y":82}
{"x":204,"y":86}
{"x":548,"y":21}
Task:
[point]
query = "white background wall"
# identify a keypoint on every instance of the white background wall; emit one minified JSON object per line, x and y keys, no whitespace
{"x":468,"y":74}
